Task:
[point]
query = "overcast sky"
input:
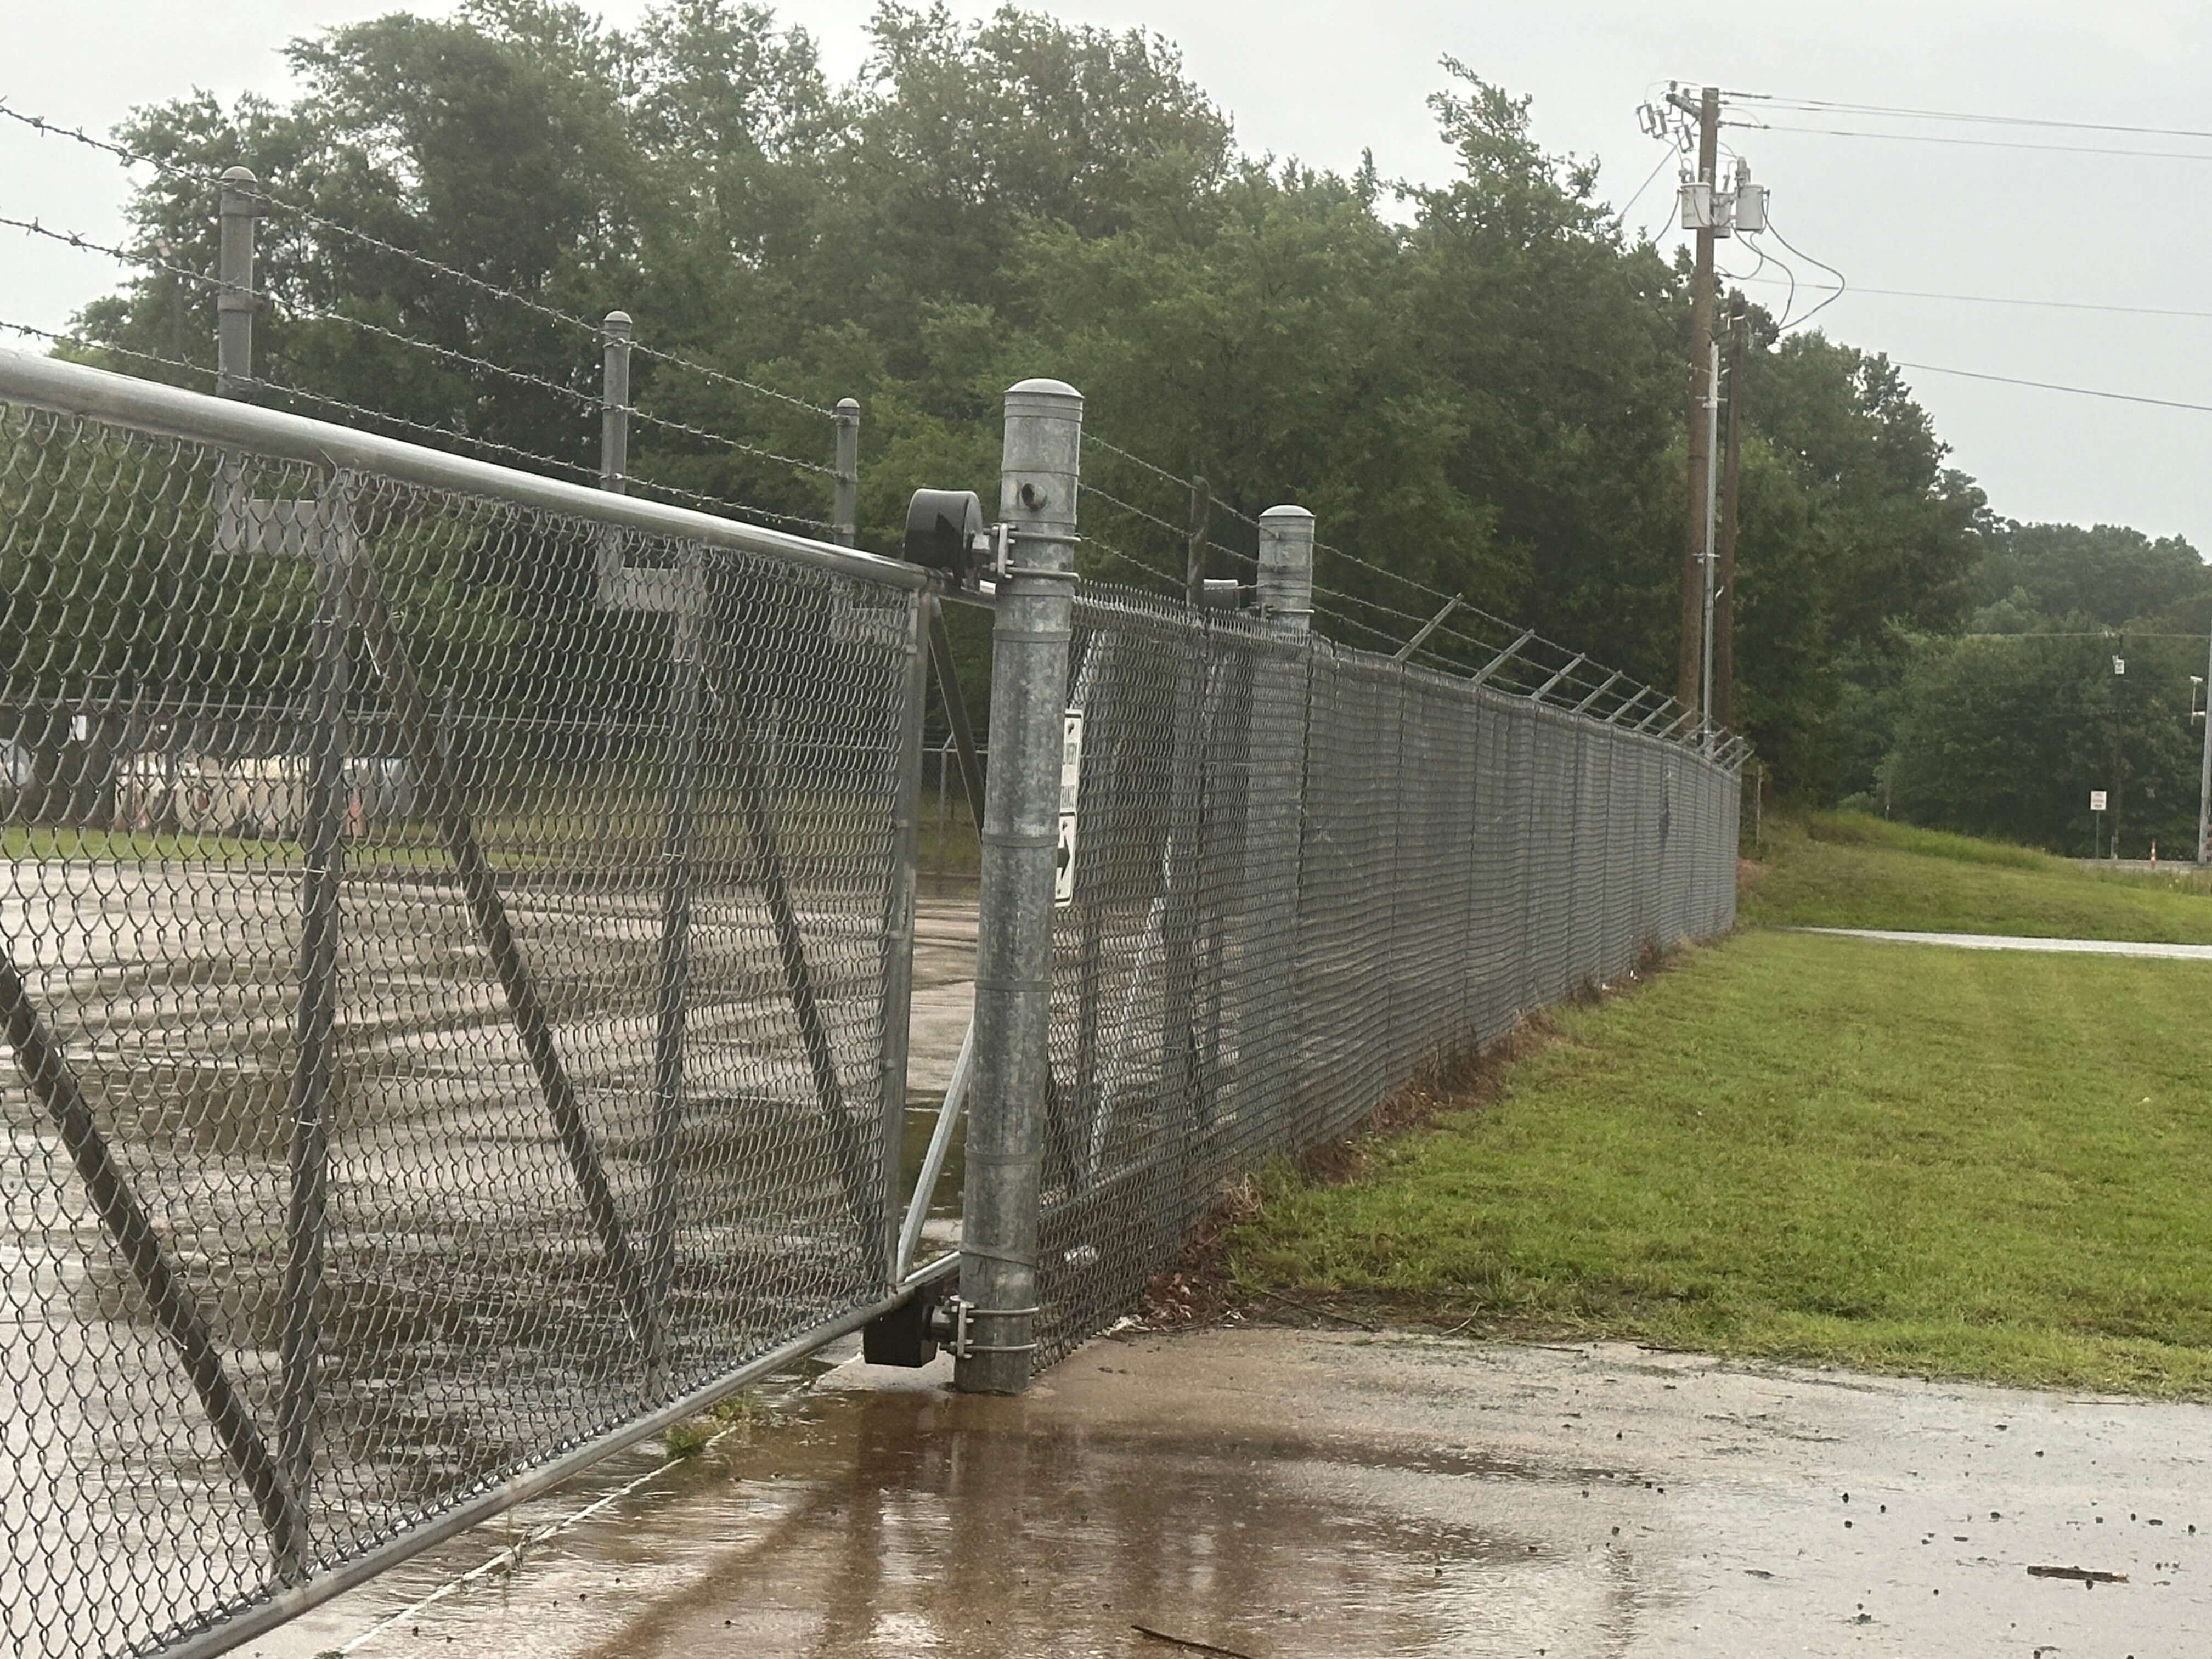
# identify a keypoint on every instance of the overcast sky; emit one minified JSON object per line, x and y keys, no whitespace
{"x":1321,"y":79}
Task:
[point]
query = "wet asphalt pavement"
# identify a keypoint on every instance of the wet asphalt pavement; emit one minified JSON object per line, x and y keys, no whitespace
{"x":1278,"y":1493}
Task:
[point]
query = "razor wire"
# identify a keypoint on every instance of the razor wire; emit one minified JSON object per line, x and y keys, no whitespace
{"x":448,"y":982}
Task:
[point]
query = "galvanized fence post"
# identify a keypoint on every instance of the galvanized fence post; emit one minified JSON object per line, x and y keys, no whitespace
{"x":615,"y":330}
{"x":1286,"y":568}
{"x":1273,"y":900}
{"x":1038,"y":475}
{"x":234,"y":298}
{"x":845,"y":517}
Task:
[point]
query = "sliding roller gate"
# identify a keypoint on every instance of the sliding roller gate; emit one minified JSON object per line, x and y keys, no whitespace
{"x":457,"y":933}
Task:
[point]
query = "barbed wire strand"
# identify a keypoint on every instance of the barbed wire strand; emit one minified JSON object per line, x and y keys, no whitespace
{"x":576,"y":469}
{"x":261,"y":192}
{"x":77,"y":343}
{"x":1166,"y":581}
{"x":302,"y":314}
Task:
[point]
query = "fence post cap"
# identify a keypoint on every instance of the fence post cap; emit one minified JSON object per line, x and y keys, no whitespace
{"x":1044,"y":395}
{"x":1286,"y":514}
{"x":239,"y":176}
{"x":848,"y":406}
{"x":615,"y":322}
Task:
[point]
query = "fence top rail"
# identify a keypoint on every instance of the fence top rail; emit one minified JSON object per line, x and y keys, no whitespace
{"x":148,"y":406}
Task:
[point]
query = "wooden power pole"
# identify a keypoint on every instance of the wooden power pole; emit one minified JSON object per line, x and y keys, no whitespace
{"x":1739,"y":351}
{"x":1690,"y":658}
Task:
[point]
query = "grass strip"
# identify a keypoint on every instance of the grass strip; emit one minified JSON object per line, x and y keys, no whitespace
{"x":1899,"y":1159}
{"x":1845,"y":870}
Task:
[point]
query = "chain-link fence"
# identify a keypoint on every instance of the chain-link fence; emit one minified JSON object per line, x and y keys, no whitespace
{"x":458,"y":938}
{"x":1301,"y":871}
{"x":457,"y":952}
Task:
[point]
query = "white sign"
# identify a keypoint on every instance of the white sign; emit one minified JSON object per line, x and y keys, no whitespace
{"x":2096,"y":801}
{"x":1063,"y":867}
{"x":1071,"y":793}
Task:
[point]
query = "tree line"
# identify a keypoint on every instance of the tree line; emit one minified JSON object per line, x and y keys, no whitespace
{"x":1479,"y":384}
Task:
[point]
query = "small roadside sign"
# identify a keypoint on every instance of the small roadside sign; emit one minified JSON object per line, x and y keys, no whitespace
{"x":1070,"y":795}
{"x":2096,"y":801}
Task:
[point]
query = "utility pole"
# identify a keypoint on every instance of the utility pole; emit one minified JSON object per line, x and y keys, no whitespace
{"x":2119,"y":761}
{"x":1724,"y":604}
{"x":2204,"y":785}
{"x":1701,"y":390}
{"x":1712,"y":510}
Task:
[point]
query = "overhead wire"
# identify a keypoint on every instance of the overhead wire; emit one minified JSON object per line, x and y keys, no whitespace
{"x":2053,"y":386}
{"x":2003,"y":299}
{"x":1982,"y":143}
{"x":1621,"y":217}
{"x":1907,"y":113}
{"x":1843,"y":283}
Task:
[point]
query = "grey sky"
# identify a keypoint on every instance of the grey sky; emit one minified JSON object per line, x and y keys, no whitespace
{"x":1321,"y":79}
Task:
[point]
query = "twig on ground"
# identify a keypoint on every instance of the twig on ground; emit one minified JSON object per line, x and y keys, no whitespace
{"x":1186,"y":1643}
{"x":2085,"y":1575}
{"x":1319,"y":1313}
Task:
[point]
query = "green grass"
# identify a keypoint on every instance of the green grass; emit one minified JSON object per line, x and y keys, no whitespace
{"x":1895,"y":1157}
{"x":1842,"y":869}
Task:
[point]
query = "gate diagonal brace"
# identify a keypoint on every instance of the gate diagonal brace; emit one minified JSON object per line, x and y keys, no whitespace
{"x":130,"y":1230}
{"x":851,"y":1156}
{"x":481,"y":888}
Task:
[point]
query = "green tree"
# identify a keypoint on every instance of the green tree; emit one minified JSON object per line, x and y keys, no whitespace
{"x":2005,"y":736}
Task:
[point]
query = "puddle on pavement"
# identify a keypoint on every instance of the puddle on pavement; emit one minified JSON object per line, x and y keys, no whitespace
{"x":916,"y":1521}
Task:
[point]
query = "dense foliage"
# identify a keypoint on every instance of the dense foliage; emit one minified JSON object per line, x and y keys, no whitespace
{"x":1480,"y":384}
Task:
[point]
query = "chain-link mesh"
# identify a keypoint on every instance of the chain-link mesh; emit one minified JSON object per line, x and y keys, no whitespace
{"x":1301,"y":872}
{"x":454,"y":973}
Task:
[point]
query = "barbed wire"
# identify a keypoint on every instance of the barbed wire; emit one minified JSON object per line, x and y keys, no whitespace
{"x":553,"y":313}
{"x":1166,"y":582}
{"x":1179,"y":532}
{"x":1519,"y":669}
{"x":299,"y":313}
{"x":1159,"y":471}
{"x":92,"y":245}
{"x":703,"y":503}
{"x":80,"y":344}
{"x":575,"y":470}
{"x":723,"y":438}
{"x":428,"y":429}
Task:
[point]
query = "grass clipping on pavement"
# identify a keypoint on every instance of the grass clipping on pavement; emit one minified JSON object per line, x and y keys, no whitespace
{"x":1895,"y":1157}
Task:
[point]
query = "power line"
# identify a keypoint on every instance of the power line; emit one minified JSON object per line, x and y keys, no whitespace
{"x":1629,"y":207}
{"x":2003,"y":300}
{"x":1900,"y":112}
{"x":2052,"y":385}
{"x":1842,"y":283}
{"x":1982,"y":143}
